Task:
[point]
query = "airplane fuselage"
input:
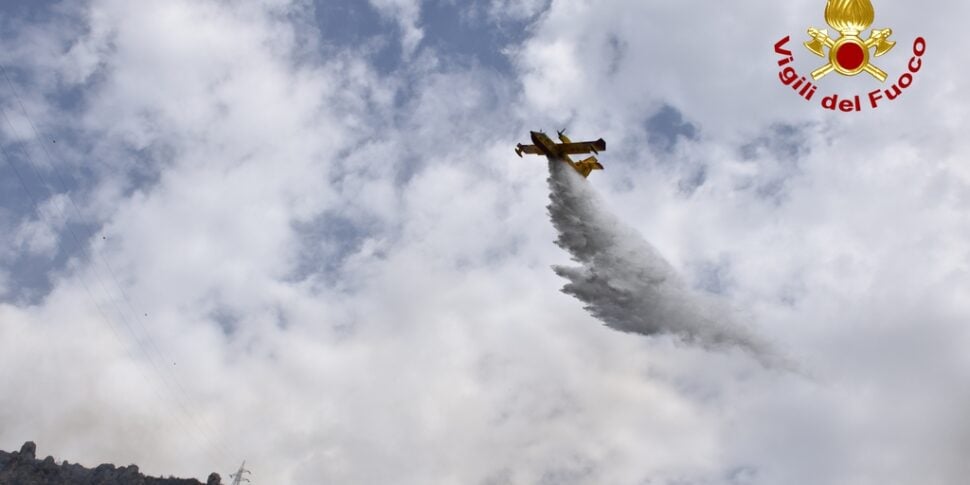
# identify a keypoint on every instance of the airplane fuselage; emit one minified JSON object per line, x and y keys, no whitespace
{"x":545,"y":144}
{"x":549,"y":149}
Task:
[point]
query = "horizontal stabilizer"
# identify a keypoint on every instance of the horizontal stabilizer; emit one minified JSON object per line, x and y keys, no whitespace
{"x":587,"y":165}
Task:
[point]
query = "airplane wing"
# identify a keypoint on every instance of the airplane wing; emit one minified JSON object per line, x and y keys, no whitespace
{"x":582,"y":147}
{"x":530,"y":149}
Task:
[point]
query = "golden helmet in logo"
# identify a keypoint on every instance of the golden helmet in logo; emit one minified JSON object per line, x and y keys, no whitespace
{"x":849,"y":53}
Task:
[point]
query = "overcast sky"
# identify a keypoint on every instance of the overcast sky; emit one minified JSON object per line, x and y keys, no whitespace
{"x":296,"y":233}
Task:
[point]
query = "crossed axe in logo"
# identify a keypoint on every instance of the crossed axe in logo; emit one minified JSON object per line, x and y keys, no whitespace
{"x":849,"y":54}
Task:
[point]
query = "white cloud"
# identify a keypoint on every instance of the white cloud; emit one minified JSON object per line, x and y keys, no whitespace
{"x":516,"y":10}
{"x":407,"y":15}
{"x":40,"y":234}
{"x":438,"y":349}
{"x":853,"y":231}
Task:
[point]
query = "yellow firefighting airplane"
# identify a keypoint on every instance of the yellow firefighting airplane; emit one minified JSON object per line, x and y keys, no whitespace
{"x":543,"y":145}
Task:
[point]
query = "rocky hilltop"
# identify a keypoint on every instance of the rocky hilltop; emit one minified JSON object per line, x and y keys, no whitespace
{"x":23,"y":468}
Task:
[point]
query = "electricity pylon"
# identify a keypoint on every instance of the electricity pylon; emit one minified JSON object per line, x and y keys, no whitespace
{"x":238,"y":477}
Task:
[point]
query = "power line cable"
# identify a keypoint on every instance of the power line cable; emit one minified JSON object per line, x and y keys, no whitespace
{"x":138,"y":340}
{"x":84,"y":284}
{"x":41,"y":216}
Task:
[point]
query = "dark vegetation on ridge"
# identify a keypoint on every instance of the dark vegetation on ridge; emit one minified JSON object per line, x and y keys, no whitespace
{"x":23,"y":468}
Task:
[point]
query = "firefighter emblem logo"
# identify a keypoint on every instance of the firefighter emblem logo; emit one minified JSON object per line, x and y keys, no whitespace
{"x":849,"y":54}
